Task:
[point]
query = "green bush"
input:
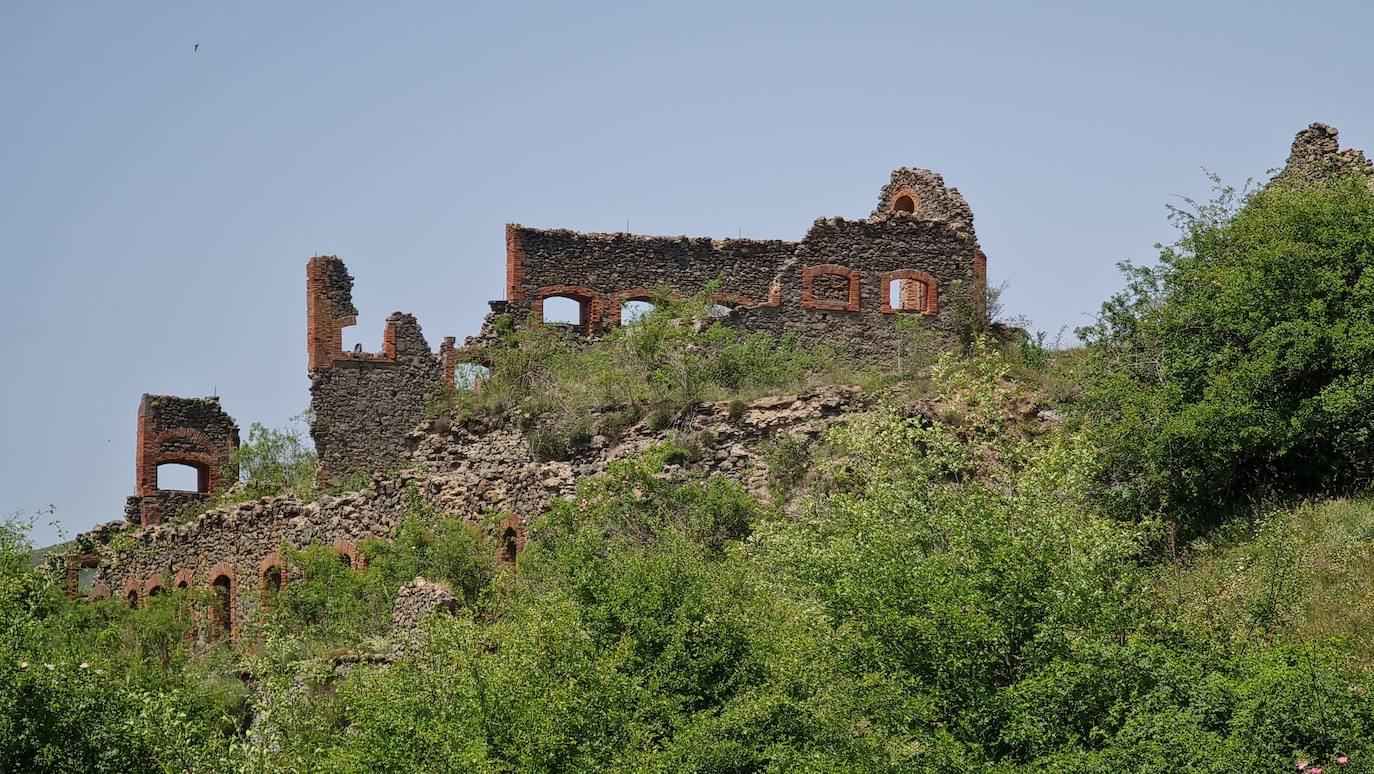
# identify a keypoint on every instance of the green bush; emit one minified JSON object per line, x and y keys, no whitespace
{"x":1243,"y":363}
{"x":275,"y":461}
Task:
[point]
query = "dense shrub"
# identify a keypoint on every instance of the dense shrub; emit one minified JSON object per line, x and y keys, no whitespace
{"x":1244,"y":361}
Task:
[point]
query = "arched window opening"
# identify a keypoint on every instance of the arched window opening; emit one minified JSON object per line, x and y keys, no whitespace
{"x":183,"y":583}
{"x":181,"y":477}
{"x":274,"y":580}
{"x":221,"y":607}
{"x":467,"y":376}
{"x":346,"y":560}
{"x":631,"y":311}
{"x":132,"y":598}
{"x":510,"y":544}
{"x":155,"y":591}
{"x":906,"y":295}
{"x":909,"y":290}
{"x":272,"y":583}
{"x":904,"y":203}
{"x":564,"y":310}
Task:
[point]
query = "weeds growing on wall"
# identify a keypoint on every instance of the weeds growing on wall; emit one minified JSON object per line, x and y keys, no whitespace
{"x":655,"y":367}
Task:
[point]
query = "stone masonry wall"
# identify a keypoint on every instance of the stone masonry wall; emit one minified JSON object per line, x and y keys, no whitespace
{"x":473,"y":471}
{"x":186,"y":431}
{"x":364,"y":403}
{"x":831,"y":287}
{"x":1316,"y":154}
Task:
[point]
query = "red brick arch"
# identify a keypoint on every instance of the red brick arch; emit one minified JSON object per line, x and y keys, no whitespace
{"x":905,"y":200}
{"x":206,"y":460}
{"x":184,"y":579}
{"x":273,"y":559}
{"x":731,"y":299}
{"x":830,"y":269}
{"x":133,"y":592}
{"x":225,"y":570}
{"x":592,"y":304}
{"x":348,"y":548}
{"x":512,"y":538}
{"x":928,"y":301}
{"x":153,"y":584}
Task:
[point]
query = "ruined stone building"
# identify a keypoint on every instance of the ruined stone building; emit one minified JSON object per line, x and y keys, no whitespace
{"x":844,"y":284}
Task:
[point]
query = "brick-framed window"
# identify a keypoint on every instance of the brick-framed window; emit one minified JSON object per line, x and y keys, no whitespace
{"x":850,"y":279}
{"x":589,"y":305}
{"x":917,"y":292}
{"x":906,"y":201}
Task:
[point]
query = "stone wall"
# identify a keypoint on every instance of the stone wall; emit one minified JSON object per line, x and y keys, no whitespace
{"x":186,"y":431}
{"x":1316,"y":155}
{"x":834,"y":286}
{"x":472,"y":471}
{"x":363,"y":403}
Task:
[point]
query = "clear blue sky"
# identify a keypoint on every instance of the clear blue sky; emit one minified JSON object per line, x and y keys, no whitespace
{"x":158,"y":204}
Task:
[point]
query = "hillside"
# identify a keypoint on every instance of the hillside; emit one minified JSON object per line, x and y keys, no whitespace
{"x":688,"y":542}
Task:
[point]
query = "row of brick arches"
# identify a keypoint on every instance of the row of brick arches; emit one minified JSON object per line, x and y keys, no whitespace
{"x":825,"y":287}
{"x":585,"y":309}
{"x":222,"y":612}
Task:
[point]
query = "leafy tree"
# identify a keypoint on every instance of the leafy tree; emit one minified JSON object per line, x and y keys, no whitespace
{"x":1244,"y":361}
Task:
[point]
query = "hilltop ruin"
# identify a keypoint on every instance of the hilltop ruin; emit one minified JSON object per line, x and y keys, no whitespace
{"x":845,"y":283}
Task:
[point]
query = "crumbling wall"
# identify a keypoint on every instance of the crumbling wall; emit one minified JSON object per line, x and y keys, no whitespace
{"x":1316,"y":155}
{"x":364,"y":403}
{"x":603,"y":271}
{"x":832,"y":287}
{"x":842,"y":293}
{"x":478,"y":471}
{"x":194,"y":432}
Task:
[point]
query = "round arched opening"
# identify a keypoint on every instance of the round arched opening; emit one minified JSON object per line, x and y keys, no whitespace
{"x":904,"y":203}
{"x":221,"y":607}
{"x":633,"y":311}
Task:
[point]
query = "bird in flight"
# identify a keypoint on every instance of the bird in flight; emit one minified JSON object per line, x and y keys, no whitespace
{"x":195,"y":48}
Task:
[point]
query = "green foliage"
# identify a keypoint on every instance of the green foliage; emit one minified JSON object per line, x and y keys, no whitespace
{"x":329,"y":605}
{"x":658,"y":365}
{"x":951,"y":587}
{"x":273,"y":462}
{"x":98,"y":687}
{"x":1244,"y":361}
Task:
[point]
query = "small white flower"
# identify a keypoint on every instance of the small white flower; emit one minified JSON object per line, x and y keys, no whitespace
{"x":50,"y":667}
{"x":25,"y":665}
{"x":85,"y":665}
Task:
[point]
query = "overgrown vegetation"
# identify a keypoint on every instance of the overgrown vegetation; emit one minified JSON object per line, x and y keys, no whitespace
{"x":655,"y":367}
{"x":274,"y":461}
{"x":1242,"y":364}
{"x":957,"y":583}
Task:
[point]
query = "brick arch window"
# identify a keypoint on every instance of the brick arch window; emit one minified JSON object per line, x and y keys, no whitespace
{"x":184,"y":579}
{"x":75,"y":565}
{"x":830,"y":287}
{"x":349,"y":554}
{"x":131,"y":592}
{"x":629,"y":305}
{"x":725,"y":303}
{"x":153,"y":586}
{"x":589,"y":304}
{"x":223,"y":602}
{"x":906,"y":201}
{"x":512,"y":538}
{"x":271,"y":580}
{"x":915,"y":292}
